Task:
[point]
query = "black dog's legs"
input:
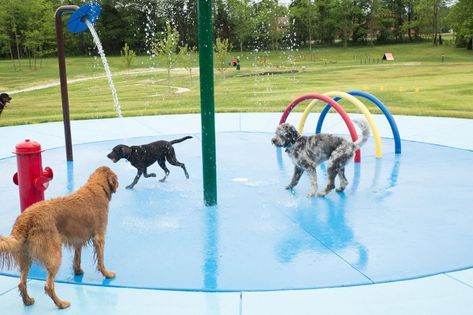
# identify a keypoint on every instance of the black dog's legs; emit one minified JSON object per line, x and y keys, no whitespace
{"x":295,"y":178}
{"x":146,"y":175}
{"x":172,"y":160}
{"x":137,"y":177}
{"x":162,"y":163}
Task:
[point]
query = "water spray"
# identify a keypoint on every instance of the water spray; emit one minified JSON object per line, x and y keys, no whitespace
{"x":82,"y":19}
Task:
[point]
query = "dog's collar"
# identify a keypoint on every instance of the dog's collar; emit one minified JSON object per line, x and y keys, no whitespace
{"x":288,"y":148}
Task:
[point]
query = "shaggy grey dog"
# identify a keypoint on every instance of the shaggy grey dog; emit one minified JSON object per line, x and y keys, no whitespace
{"x":309,"y":152}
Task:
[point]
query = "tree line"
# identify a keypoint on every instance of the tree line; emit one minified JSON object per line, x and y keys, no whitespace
{"x":27,"y":26}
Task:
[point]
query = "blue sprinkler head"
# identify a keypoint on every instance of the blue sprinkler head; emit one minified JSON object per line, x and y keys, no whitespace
{"x":76,"y":22}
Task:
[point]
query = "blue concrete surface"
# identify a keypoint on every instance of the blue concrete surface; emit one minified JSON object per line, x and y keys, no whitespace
{"x":445,"y":293}
{"x":8,"y":284}
{"x":402,"y":217}
{"x":91,"y":300}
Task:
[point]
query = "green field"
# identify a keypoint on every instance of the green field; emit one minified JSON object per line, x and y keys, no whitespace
{"x":416,"y":83}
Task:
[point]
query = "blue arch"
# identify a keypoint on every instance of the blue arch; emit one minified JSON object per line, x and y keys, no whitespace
{"x":377,"y":102}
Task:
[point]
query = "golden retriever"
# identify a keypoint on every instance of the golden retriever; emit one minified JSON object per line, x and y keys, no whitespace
{"x":74,"y":220}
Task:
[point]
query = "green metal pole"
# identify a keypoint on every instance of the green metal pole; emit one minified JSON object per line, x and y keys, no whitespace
{"x":207,"y":103}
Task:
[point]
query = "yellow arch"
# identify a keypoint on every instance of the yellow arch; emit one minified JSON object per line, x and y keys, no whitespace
{"x":361,"y":107}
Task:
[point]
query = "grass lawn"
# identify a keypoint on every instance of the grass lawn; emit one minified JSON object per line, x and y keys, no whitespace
{"x":416,"y":83}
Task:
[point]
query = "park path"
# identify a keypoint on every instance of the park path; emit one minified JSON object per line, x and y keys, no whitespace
{"x":120,"y":73}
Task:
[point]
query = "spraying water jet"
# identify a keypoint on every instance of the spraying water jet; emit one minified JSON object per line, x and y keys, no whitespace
{"x":82,"y":18}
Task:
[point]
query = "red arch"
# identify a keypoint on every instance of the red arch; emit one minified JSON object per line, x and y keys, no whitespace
{"x":335,"y":105}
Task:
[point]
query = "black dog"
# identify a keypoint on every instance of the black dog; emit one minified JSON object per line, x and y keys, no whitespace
{"x":145,"y":155}
{"x":4,"y":99}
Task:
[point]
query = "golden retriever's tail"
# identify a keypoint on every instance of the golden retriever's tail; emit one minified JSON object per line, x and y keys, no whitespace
{"x":180,"y":140}
{"x":365,"y":132}
{"x":8,"y":246}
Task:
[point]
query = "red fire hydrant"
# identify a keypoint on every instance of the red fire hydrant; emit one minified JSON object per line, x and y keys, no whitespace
{"x":32,"y":181}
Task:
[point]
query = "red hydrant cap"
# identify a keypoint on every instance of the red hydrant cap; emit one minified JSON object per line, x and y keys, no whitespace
{"x":27,"y":147}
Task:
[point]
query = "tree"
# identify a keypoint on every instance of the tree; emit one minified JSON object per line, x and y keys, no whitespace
{"x":27,"y":28}
{"x":429,"y":11}
{"x":412,"y":24}
{"x":304,"y":14}
{"x":127,"y":55}
{"x":111,"y":27}
{"x":188,"y":55}
{"x":373,"y":19}
{"x":360,"y":11}
{"x":221,"y":20}
{"x":268,"y":23}
{"x":326,"y":21}
{"x":461,"y":19}
{"x":221,"y":48}
{"x":39,"y":37}
{"x":11,"y":26}
{"x":167,"y":47}
{"x":345,"y":19}
{"x":242,"y":20}
{"x":393,"y":20}
{"x":5,"y":48}
{"x":190,"y":33}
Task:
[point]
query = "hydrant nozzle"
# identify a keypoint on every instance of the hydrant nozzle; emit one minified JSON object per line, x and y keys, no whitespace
{"x":31,"y":179}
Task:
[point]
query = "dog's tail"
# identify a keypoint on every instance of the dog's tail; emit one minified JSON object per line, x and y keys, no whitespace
{"x":8,"y":247}
{"x":180,"y":140}
{"x":365,"y":132}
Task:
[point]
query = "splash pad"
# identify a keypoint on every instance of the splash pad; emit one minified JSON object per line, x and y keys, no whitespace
{"x":213,"y":264}
{"x":260,"y":236}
